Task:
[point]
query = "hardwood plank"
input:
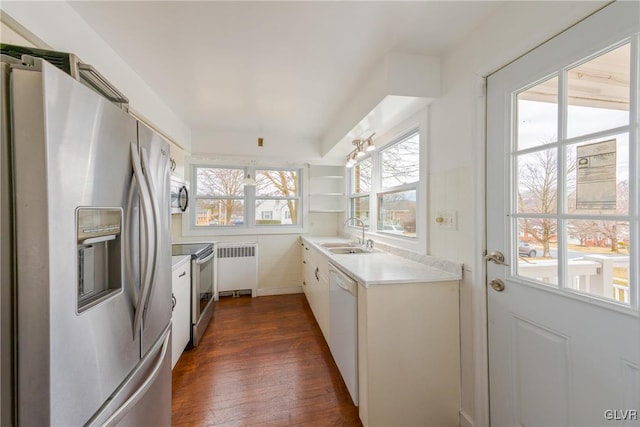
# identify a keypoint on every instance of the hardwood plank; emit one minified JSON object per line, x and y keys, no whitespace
{"x":262,"y":361}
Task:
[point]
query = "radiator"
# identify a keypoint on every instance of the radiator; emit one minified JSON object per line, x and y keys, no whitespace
{"x":237,"y":269}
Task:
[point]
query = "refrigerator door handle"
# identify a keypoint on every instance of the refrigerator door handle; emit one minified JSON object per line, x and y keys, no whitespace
{"x":156,"y":229}
{"x":128,"y":257}
{"x":147,"y":210}
{"x":121,"y":411}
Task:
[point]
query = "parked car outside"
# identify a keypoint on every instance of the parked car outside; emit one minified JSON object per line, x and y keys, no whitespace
{"x":393,"y":228}
{"x":524,"y":249}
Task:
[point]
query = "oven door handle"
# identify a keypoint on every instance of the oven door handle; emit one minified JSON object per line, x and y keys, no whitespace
{"x":205,"y":260}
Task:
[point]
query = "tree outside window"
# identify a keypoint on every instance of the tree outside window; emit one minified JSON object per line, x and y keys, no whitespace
{"x":277,"y":191}
{"x":219,"y":196}
{"x":386,"y":182}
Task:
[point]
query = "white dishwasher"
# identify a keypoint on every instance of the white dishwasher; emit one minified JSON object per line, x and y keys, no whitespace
{"x":343,"y":327}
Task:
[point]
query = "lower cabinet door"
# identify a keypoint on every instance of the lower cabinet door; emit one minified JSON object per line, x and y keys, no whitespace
{"x":181,"y":321}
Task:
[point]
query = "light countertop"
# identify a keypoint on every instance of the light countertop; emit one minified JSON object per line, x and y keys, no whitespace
{"x":384,"y":268}
{"x":177,"y":261}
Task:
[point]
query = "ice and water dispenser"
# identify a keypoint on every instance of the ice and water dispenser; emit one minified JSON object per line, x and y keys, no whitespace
{"x":99,"y":254}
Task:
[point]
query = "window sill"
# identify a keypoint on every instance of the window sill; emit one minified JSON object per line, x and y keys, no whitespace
{"x":241,"y":231}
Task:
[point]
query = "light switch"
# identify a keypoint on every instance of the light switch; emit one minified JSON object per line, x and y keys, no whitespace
{"x":447,"y":220}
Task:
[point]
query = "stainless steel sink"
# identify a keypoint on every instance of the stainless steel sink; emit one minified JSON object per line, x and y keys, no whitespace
{"x":337,"y":245}
{"x":351,"y":250}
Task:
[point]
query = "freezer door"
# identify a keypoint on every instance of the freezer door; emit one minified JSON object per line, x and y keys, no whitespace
{"x":154,"y":156}
{"x":71,"y":151}
{"x":144,"y":399}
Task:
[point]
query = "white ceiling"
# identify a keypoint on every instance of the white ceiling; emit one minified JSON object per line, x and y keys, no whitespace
{"x":274,"y":67}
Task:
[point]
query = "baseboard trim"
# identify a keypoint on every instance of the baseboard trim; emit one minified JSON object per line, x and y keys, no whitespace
{"x":465,"y":420}
{"x":280,"y":291}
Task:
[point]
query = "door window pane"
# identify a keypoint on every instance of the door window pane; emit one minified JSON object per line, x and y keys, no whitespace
{"x":397,"y":213}
{"x":400,"y":163}
{"x":598,"y":258}
{"x":598,"y":93}
{"x":538,"y":182}
{"x":537,"y":115}
{"x":537,"y":250}
{"x":598,"y":176}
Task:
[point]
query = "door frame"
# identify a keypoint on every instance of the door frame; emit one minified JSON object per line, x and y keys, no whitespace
{"x":479,"y":271}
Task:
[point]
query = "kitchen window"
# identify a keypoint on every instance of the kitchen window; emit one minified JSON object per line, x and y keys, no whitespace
{"x":361,"y":189}
{"x":277,"y":192}
{"x":222,"y":200}
{"x":387,"y":183}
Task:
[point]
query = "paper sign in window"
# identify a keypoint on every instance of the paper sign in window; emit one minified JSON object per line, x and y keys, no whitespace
{"x":596,"y":176}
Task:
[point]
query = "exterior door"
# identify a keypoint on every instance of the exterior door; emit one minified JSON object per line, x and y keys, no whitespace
{"x":562,"y":206}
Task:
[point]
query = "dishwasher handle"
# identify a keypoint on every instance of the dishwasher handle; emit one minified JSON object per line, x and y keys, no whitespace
{"x":343,"y":281}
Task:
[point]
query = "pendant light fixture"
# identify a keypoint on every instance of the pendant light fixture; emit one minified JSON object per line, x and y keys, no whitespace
{"x":248,"y":180}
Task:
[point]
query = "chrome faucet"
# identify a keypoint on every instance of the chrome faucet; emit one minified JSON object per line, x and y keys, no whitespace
{"x":361,"y":225}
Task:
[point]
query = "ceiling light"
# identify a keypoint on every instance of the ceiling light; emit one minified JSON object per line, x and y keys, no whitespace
{"x":360,"y":149}
{"x":369,"y":141}
{"x":351,"y":160}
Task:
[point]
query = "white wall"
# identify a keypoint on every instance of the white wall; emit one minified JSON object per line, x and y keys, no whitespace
{"x":61,"y":28}
{"x":283,"y":148}
{"x":455,"y":155}
{"x":456,"y":163}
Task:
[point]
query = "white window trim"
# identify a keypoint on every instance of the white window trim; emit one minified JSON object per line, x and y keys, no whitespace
{"x":189,"y":229}
{"x":417,"y":244}
{"x":562,"y":216}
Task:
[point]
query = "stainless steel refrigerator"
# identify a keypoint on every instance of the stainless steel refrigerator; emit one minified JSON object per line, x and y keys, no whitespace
{"x":86,"y":268}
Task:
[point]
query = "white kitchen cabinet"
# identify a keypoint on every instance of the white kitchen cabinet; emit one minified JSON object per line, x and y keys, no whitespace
{"x":180,"y":319}
{"x":316,"y":285}
{"x":177,"y":156}
{"x":409,"y":354}
{"x":326,"y":188}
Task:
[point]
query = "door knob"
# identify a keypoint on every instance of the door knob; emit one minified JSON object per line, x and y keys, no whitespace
{"x":497,"y":285}
{"x":495,"y":257}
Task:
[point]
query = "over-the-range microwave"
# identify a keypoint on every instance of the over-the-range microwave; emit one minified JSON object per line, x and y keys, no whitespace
{"x":179,"y":196}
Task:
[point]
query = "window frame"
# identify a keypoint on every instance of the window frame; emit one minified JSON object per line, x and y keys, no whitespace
{"x":353,"y":196}
{"x":249,"y":198}
{"x":563,"y":215}
{"x":417,"y":242}
{"x":195,"y":197}
{"x":297,"y":198}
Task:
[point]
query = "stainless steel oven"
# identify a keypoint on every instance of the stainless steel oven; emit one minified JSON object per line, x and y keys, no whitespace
{"x":202,"y":274}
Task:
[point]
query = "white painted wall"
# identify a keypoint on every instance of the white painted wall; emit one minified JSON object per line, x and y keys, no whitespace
{"x":61,"y":28}
{"x":283,"y":148}
{"x":455,"y":155}
{"x":456,"y":164}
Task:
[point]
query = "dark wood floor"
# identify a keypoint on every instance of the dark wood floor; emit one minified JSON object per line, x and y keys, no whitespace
{"x":262,"y":361}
